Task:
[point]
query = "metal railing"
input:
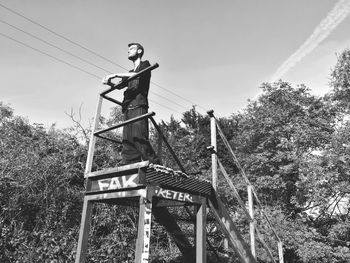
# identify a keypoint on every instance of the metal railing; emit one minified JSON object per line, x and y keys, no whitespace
{"x":99,"y":133}
{"x":250,"y":188}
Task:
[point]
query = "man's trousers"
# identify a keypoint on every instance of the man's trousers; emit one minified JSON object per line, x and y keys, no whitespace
{"x":136,"y":145}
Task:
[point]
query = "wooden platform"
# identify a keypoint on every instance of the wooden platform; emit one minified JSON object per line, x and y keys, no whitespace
{"x":153,"y":189}
{"x":142,"y":174}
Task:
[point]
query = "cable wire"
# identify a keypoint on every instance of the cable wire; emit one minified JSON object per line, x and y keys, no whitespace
{"x":52,"y":45}
{"x":47,"y":54}
{"x":91,"y":51}
{"x":78,"y":57}
{"x":61,"y":36}
{"x":67,"y":63}
{"x":193,"y":103}
{"x":164,"y":106}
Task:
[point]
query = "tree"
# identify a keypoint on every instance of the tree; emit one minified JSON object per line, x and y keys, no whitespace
{"x":276,"y":133}
{"x":278,"y":140}
{"x":340,"y":80}
{"x":41,"y":186}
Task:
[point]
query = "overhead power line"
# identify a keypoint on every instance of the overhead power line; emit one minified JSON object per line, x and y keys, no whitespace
{"x":47,"y":54}
{"x":67,"y":63}
{"x":193,"y":103}
{"x":164,"y":106}
{"x":54,"y":46}
{"x":61,"y":36}
{"x":78,"y":57}
{"x":92,"y":52}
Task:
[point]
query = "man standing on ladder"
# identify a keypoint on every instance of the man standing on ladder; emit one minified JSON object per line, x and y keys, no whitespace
{"x":136,"y":145}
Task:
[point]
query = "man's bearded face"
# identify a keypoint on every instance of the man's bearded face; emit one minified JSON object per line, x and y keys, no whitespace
{"x":132,"y":52}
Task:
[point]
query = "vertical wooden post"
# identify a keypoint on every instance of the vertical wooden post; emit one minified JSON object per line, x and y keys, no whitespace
{"x":251,"y":224}
{"x":84,"y":232}
{"x":144,"y":231}
{"x":280,"y":252}
{"x":93,"y":137}
{"x":214,"y":163}
{"x":201,"y":232}
{"x":87,"y":205}
{"x":160,"y":146}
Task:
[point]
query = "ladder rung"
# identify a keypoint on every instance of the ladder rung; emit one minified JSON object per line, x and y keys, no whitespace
{"x":147,"y":115}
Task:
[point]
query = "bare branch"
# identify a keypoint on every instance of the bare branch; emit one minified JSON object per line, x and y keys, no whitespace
{"x":77,"y":123}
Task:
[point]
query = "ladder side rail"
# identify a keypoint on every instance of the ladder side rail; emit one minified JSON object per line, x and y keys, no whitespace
{"x":87,"y":206}
{"x":264,"y":214}
{"x":235,"y":192}
{"x":168,"y":145}
{"x":122,"y":84}
{"x":243,"y":173}
{"x":141,"y":117}
{"x":240,"y":201}
{"x":237,"y":242}
{"x":223,"y":137}
{"x":93,"y":138}
{"x":213,"y":143}
{"x":229,"y":229}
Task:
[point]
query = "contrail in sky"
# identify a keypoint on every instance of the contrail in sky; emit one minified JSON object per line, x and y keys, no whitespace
{"x":327,"y":25}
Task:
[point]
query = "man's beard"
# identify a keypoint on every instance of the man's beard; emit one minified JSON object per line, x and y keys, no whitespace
{"x":132,"y":57}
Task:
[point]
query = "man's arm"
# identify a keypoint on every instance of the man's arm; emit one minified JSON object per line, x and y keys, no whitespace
{"x":107,"y":79}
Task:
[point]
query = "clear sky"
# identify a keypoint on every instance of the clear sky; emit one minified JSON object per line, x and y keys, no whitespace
{"x":214,"y":54}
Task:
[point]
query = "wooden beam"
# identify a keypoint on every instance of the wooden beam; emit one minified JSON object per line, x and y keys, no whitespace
{"x":120,"y":169}
{"x":93,"y":138}
{"x":84,"y":232}
{"x":280,"y":252}
{"x":214,"y":167}
{"x":201,"y":232}
{"x":87,"y":205}
{"x":160,"y":192}
{"x":144,"y":231}
{"x":167,"y":203}
{"x":116,"y":195}
{"x":116,"y":183}
{"x":251,"y":223}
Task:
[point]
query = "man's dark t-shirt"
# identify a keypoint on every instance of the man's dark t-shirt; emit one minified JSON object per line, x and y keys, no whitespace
{"x":137,"y":92}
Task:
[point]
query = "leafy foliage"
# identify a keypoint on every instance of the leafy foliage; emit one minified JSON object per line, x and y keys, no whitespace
{"x":293,"y":146}
{"x":41,"y":185}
